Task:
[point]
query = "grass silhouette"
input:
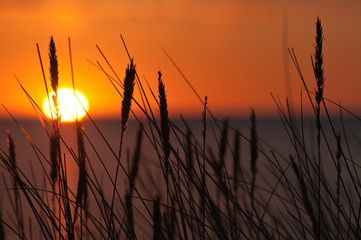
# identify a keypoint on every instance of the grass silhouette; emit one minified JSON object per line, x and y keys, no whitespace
{"x":202,"y":192}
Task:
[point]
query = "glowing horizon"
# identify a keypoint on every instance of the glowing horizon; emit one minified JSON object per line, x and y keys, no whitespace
{"x":233,"y":52}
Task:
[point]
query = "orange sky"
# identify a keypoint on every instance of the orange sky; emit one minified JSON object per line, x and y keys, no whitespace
{"x":231,"y":51}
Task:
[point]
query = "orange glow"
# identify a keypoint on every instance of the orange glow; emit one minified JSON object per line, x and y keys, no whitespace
{"x":70,"y":107}
{"x":232,"y":51}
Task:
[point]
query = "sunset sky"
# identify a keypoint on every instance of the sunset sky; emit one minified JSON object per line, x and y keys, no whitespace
{"x":235,"y":52}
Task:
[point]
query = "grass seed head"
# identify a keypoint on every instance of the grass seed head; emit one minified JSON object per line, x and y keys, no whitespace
{"x":318,"y":62}
{"x":164,"y":120}
{"x":11,"y":148}
{"x":54,"y":73}
{"x":128,"y":93}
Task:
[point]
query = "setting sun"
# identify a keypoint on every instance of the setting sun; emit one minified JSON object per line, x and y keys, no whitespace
{"x":70,"y":107}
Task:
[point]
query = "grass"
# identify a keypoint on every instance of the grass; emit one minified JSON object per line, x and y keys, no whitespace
{"x":197,"y":191}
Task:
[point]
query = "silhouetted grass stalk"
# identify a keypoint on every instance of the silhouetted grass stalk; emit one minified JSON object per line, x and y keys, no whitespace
{"x":338,"y":182}
{"x":203,"y":167}
{"x":18,"y":205}
{"x":126,"y":106}
{"x":254,"y":153}
{"x":317,"y":63}
{"x":164,"y":125}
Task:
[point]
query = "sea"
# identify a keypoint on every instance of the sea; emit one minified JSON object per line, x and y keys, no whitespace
{"x":102,"y":144}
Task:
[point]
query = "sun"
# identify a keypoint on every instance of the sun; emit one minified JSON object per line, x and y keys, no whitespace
{"x":70,"y":107}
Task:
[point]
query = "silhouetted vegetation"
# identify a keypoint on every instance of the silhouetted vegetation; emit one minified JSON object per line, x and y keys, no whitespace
{"x":202,"y":192}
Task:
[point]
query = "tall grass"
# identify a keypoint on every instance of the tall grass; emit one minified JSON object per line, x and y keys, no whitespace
{"x":197,"y":191}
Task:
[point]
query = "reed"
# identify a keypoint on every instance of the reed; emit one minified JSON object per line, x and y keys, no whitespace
{"x":130,"y":232}
{"x":305,"y":198}
{"x":338,"y":182}
{"x":164,"y":121}
{"x":164,"y":131}
{"x":223,"y":145}
{"x":128,"y":93}
{"x":54,"y":159}
{"x":254,"y":153}
{"x":210,"y":192}
{"x":157,"y":220}
{"x":126,"y":108}
{"x":317,"y":63}
{"x":54,"y":72}
{"x":14,"y":168}
{"x":236,"y":160}
{"x":136,"y":159}
{"x":203,"y":167}
{"x":81,"y":196}
{"x":54,"y":79}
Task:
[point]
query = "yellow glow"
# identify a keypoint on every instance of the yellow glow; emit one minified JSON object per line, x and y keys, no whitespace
{"x":70,"y":107}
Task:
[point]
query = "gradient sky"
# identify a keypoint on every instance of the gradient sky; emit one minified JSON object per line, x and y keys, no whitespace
{"x":232,"y":51}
